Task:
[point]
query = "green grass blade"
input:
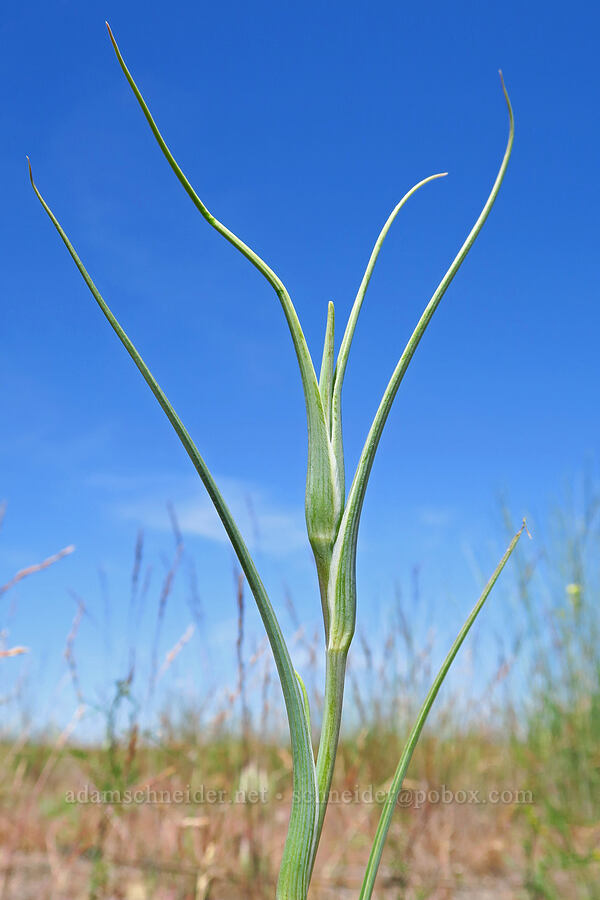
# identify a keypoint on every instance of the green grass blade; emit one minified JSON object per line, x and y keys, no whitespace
{"x":359,"y":484}
{"x":397,"y":781}
{"x":298,"y":849}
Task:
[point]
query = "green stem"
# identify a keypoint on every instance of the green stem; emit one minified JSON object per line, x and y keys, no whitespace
{"x":335,"y":672}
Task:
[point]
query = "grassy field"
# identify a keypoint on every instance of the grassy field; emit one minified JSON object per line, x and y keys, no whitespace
{"x":502,"y":799}
{"x":206,"y":817}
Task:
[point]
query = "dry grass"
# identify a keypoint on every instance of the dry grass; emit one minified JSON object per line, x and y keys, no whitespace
{"x":230,"y":849}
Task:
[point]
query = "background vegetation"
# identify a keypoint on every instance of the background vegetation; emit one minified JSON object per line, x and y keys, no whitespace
{"x":529,"y":736}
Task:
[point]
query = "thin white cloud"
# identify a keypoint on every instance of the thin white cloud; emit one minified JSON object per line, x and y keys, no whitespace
{"x":435,"y":517}
{"x":266,"y":525}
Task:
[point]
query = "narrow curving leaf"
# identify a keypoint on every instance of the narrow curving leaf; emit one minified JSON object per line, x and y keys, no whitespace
{"x":398,"y":779}
{"x":302,"y":352}
{"x":295,"y":865}
{"x":342,"y":359}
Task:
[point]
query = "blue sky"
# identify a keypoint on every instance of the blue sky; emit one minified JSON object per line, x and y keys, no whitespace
{"x":300,"y":126}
